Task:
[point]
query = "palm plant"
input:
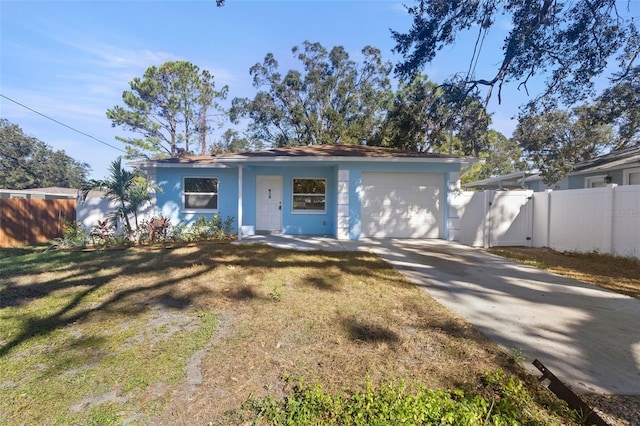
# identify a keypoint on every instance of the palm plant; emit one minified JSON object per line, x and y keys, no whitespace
{"x":124,"y":188}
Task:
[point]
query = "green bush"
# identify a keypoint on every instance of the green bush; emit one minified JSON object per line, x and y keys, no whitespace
{"x":73,"y":237}
{"x":203,"y":229}
{"x":509,"y":404}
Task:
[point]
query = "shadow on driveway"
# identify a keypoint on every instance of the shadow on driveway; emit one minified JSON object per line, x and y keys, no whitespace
{"x":589,"y":337}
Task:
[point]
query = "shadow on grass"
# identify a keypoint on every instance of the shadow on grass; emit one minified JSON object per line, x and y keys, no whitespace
{"x":369,"y":332}
{"x":139,"y":279}
{"x":245,"y":292}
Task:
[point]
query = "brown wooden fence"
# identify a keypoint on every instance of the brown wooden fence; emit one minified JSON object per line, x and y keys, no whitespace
{"x":30,"y":221}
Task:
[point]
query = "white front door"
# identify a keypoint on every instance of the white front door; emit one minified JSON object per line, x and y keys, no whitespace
{"x":269,"y":203}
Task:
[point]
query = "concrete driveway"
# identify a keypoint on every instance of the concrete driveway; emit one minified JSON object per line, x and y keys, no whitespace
{"x":588,"y":337}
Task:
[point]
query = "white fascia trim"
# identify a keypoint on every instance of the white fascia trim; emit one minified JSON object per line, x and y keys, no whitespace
{"x":38,"y":193}
{"x":233,"y":162}
{"x":151,"y":165}
{"x":349,"y":160}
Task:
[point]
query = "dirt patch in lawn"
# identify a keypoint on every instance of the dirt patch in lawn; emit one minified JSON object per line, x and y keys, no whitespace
{"x":619,"y":274}
{"x":186,"y":336}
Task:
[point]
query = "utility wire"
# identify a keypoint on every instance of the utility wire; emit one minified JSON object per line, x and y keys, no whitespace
{"x":62,"y":124}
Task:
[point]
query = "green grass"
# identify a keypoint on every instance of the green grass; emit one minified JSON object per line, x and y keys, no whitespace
{"x":393,"y":404}
{"x":68,"y":344}
{"x":109,"y":337}
{"x":73,"y":366}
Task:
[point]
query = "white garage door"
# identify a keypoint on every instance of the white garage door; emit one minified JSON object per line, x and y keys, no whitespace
{"x":402,"y":205}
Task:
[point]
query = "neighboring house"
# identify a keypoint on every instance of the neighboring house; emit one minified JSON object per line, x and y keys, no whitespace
{"x":346,"y":191}
{"x":51,"y":193}
{"x":521,"y":180}
{"x":621,"y":167}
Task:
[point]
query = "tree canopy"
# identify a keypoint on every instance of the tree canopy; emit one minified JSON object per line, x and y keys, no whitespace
{"x":501,"y":156}
{"x":172,"y":108}
{"x":332,"y":99}
{"x":619,"y":105}
{"x":424,"y":117}
{"x":26,"y":162}
{"x":570,"y":42}
{"x":552,"y":141}
{"x":231,"y":141}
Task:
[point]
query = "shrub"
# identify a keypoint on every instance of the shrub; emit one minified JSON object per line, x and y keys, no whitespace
{"x":153,"y":230}
{"x":102,"y":234}
{"x":393,"y":404}
{"x":73,"y":236}
{"x":203,"y":229}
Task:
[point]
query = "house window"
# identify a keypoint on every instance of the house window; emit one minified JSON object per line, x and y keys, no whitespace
{"x":309,"y":195}
{"x":200,"y":193}
{"x":594,"y":182}
{"x":632,"y":176}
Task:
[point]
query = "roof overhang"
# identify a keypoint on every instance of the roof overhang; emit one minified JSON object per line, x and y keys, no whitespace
{"x":37,"y":194}
{"x":236,"y":160}
{"x":613,"y":165}
{"x":150,"y":164}
{"x":510,"y":180}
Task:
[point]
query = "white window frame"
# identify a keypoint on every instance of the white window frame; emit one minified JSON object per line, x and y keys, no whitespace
{"x":294,"y":194}
{"x":626,"y":173}
{"x":594,"y":179}
{"x":186,"y":209}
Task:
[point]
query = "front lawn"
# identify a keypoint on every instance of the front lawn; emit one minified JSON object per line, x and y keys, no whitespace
{"x":221,"y":332}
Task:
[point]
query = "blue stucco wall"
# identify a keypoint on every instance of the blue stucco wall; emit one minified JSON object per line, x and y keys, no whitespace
{"x":294,"y":223}
{"x":169,"y":199}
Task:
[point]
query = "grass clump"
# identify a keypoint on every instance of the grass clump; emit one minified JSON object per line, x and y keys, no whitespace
{"x":505,"y":402}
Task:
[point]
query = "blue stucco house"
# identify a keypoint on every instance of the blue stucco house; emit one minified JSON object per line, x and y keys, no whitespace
{"x":344,"y":191}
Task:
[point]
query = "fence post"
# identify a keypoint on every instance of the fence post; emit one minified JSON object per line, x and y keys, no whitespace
{"x":529,"y":209}
{"x":548,"y":221}
{"x":609,"y":202}
{"x":486,"y":221}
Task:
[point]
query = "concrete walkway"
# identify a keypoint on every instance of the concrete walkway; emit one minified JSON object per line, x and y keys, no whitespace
{"x":588,"y":337}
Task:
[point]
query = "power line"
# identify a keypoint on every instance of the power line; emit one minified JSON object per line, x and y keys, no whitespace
{"x":62,"y":124}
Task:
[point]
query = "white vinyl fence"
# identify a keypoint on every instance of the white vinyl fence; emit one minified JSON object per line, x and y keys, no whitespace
{"x":93,"y":209}
{"x":604,"y":219}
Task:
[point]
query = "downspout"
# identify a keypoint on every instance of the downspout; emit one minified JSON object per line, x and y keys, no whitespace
{"x":239,"y":202}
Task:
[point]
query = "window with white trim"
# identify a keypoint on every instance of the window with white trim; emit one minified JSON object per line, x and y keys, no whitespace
{"x":594,"y":181}
{"x":309,"y":195}
{"x":200,"y":193}
{"x":632,"y":176}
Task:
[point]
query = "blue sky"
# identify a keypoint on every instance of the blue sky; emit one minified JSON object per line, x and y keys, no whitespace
{"x":72,"y":60}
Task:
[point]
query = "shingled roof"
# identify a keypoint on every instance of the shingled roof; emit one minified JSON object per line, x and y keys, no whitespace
{"x":611,"y":160}
{"x":336,"y":150}
{"x":318,"y":152}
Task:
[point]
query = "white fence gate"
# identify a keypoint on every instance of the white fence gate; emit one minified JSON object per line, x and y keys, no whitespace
{"x":603,"y":219}
{"x":494,"y":218}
